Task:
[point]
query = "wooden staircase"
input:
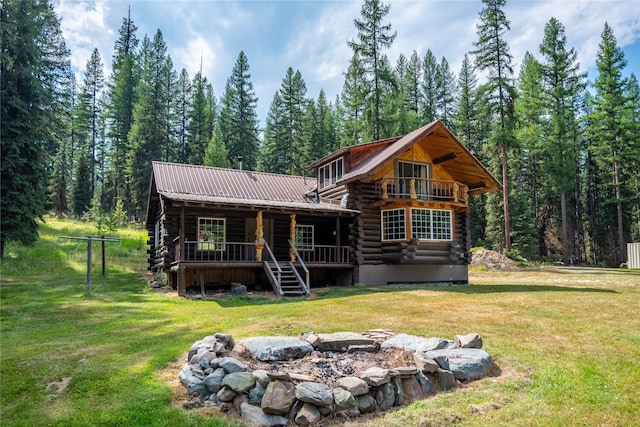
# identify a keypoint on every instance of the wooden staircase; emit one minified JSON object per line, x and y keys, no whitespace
{"x":285,"y":279}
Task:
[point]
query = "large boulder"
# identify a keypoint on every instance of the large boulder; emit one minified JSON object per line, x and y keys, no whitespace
{"x":345,"y":402}
{"x":354,"y":385}
{"x":341,"y":341}
{"x":376,"y":376}
{"x":468,"y":341}
{"x":278,"y":397}
{"x":464,"y":363}
{"x":239,"y":381}
{"x":273,"y":349}
{"x":193,"y":381}
{"x":317,"y":393}
{"x":257,"y":416}
{"x":412,"y":343}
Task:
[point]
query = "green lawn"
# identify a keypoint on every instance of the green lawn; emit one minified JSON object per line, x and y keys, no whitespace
{"x":568,"y":343}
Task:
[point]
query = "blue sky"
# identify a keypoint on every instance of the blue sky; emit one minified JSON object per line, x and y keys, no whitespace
{"x":311,"y":36}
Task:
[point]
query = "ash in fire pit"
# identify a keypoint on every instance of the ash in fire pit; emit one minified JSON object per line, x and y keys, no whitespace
{"x":286,"y":380}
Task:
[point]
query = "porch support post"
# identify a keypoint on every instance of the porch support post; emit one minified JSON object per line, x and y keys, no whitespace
{"x":292,"y":236}
{"x":338,"y":251}
{"x":182,"y":286}
{"x":259,"y":237}
{"x":412,"y":189}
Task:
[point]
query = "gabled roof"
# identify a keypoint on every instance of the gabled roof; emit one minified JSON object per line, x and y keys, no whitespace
{"x":441,"y":144}
{"x":193,"y":183}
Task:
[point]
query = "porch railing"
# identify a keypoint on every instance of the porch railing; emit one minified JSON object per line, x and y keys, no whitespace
{"x":195,"y":251}
{"x":421,"y":189}
{"x":216,"y":252}
{"x":325,"y":253}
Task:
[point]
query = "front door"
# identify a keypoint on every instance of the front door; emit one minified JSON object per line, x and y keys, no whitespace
{"x":267,"y":229}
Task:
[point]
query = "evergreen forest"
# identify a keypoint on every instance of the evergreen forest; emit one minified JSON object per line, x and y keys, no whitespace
{"x":566,"y":149}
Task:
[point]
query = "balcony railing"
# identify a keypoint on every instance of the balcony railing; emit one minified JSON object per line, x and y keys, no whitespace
{"x":422,"y":189}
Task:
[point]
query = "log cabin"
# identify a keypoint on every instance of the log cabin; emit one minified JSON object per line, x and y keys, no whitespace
{"x":388,"y":211}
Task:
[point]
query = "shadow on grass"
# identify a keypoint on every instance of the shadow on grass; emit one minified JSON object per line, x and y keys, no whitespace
{"x":229,"y":301}
{"x":490,"y":289}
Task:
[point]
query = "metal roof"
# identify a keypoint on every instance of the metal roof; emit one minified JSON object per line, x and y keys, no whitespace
{"x":204,"y":184}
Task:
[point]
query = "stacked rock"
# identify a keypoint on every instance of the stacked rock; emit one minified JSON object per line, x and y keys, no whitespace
{"x":218,"y":373}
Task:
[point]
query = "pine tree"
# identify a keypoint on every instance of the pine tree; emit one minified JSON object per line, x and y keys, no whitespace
{"x":609,"y":139}
{"x":354,"y":103}
{"x":34,"y":79}
{"x":633,"y":122}
{"x":82,"y":196}
{"x":216,"y":153}
{"x":238,"y":122}
{"x":293,"y":92}
{"x":561,"y":90}
{"x":273,"y":156}
{"x":200,"y":120}
{"x":446,"y":93}
{"x":148,"y":134}
{"x":373,"y":37}
{"x":91,"y":91}
{"x":529,"y":132}
{"x":120,"y":99}
{"x":429,"y":87}
{"x":493,"y":56}
{"x":182,"y":107}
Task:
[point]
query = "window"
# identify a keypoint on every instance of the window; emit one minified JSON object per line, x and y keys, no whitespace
{"x":211,"y":234}
{"x":330,"y":173}
{"x":159,"y":234}
{"x":431,"y":224}
{"x":304,"y":237}
{"x":393,"y":224}
{"x":421,"y":172}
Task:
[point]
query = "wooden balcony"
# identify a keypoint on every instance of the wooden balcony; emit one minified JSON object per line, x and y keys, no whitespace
{"x":435,"y":190}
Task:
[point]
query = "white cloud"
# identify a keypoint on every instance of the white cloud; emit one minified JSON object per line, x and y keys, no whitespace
{"x":84,"y":28}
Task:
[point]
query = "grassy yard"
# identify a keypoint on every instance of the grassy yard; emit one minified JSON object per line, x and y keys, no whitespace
{"x":567,"y":341}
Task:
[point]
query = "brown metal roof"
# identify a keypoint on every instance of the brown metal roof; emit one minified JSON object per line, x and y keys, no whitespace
{"x":192,"y":183}
{"x":438,"y":141}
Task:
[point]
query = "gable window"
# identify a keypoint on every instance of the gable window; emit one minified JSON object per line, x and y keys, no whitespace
{"x":431,"y":224}
{"x":393,"y":224}
{"x":330,"y":173}
{"x":304,"y":237}
{"x":211,"y":234}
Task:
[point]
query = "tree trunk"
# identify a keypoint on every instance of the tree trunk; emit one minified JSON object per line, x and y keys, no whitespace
{"x":566,"y":247}
{"x":622,"y":256}
{"x":505,"y":198}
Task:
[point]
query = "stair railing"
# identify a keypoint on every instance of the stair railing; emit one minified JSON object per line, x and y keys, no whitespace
{"x":305,"y":284}
{"x":276,"y":281}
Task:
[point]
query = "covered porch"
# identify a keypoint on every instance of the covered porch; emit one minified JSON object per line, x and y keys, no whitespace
{"x":260,"y":248}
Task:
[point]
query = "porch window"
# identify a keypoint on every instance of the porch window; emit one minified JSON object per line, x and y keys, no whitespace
{"x":431,"y":224}
{"x":330,"y":173}
{"x":211,"y":234}
{"x":304,"y":237}
{"x":393,"y":224}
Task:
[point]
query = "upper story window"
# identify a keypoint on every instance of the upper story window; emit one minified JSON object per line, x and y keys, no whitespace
{"x":330,"y":173}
